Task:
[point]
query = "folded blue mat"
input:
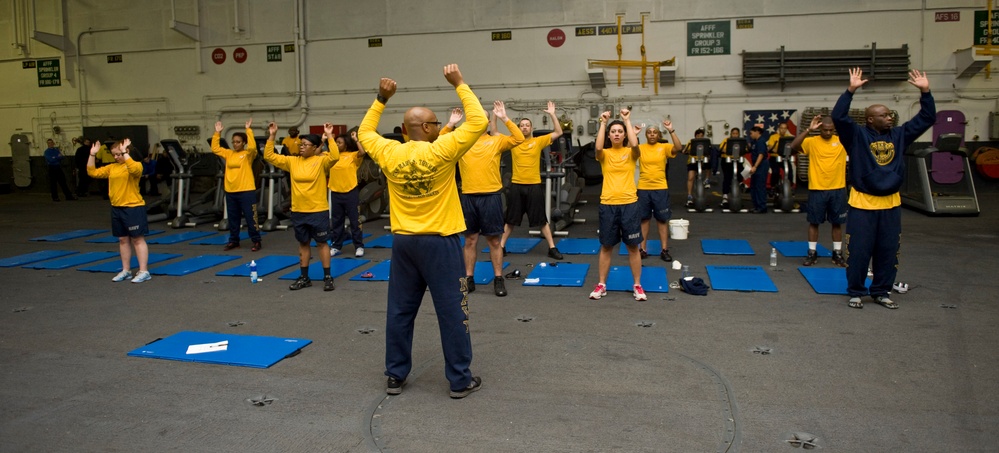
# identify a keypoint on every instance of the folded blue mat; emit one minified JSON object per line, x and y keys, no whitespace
{"x":518,"y":245}
{"x":115,"y":266}
{"x":241,"y":350}
{"x":68,"y":235}
{"x":223,"y":239}
{"x":346,"y":242}
{"x":179,"y":237}
{"x":798,"y":249}
{"x":33,"y":257}
{"x":572,"y":246}
{"x":653,"y":279}
{"x":561,"y":274}
{"x":114,"y":239}
{"x":190,"y":265}
{"x":338,"y":267}
{"x":379,"y":273}
{"x":740,"y":278}
{"x":72,"y":260}
{"x":828,"y":280}
{"x":483,"y":273}
{"x":265,"y":265}
{"x":726,"y":247}
{"x":383,"y":242}
{"x":655,"y":247}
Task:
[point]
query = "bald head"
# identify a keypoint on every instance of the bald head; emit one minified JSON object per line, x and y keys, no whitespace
{"x":422,"y":124}
{"x":879,"y":117}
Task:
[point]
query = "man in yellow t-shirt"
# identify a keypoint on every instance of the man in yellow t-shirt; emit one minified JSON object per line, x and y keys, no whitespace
{"x":772,"y":152}
{"x":292,"y":142}
{"x":426,"y":219}
{"x":653,"y":190}
{"x":826,"y":185}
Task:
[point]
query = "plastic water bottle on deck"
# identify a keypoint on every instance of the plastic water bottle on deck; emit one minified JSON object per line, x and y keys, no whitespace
{"x":773,"y":257}
{"x":253,"y":271}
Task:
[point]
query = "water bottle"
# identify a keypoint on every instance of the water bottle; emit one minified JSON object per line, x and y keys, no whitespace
{"x":773,"y":257}
{"x":253,"y":271}
{"x":686,"y":271}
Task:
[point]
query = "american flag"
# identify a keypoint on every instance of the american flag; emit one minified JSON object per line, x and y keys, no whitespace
{"x":769,"y":119}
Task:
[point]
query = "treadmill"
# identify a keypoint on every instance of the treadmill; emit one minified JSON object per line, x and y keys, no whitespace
{"x":938,"y":179}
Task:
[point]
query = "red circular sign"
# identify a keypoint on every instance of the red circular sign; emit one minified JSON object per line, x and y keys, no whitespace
{"x":239,"y":55}
{"x":218,"y":55}
{"x":556,"y":37}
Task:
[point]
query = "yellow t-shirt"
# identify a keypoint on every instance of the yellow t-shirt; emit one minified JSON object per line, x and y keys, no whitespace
{"x":104,"y":155}
{"x":290,"y":145}
{"x":873,"y":202}
{"x":123,"y":182}
{"x":343,"y":175}
{"x":826,"y":163}
{"x":480,"y":166}
{"x":652,"y":165}
{"x":527,"y":159}
{"x":618,"y":166}
{"x":308,"y":177}
{"x":772,"y":143}
{"x":238,"y":165}
{"x":423,"y":194}
{"x":724,"y":150}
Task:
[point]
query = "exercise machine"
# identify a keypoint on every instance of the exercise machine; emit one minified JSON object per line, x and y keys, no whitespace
{"x":208,"y":207}
{"x":562,"y":192}
{"x":784,"y":192}
{"x":700,"y":149}
{"x":735,"y":148}
{"x":938,"y":180}
{"x":271,"y":195}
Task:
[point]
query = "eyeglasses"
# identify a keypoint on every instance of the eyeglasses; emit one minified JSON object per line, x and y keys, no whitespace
{"x":436,"y":123}
{"x":117,"y":154}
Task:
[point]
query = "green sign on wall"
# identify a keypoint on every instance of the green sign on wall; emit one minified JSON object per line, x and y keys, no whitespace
{"x":49,"y":74}
{"x":274,"y":53}
{"x":982,"y":28}
{"x":709,"y":38}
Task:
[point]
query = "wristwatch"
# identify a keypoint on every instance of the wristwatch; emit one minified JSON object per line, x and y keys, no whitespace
{"x":382,"y":99}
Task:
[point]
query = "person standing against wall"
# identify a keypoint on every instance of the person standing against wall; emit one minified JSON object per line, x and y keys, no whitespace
{"x":826,"y":185}
{"x":240,"y":185}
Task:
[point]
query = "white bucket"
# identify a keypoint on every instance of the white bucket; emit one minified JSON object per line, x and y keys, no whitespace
{"x":678,"y":229}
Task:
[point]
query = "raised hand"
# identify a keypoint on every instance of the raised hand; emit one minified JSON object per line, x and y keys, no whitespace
{"x":551,"y":108}
{"x":272,"y":129}
{"x":218,"y":126}
{"x":328,"y":129}
{"x":386,"y":88}
{"x":456,"y":115}
{"x":125,"y":144}
{"x":95,"y":148}
{"x":668,"y":125}
{"x":453,"y":75}
{"x":626,"y":115}
{"x":499,"y":109}
{"x":919,"y":80}
{"x":855,"y":79}
{"x":816,"y":122}
{"x":249,"y":123}
{"x":605,"y":117}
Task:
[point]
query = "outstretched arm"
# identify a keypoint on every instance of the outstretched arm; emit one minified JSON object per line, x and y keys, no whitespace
{"x":927,"y":115}
{"x":856,"y":80}
{"x":632,"y":136}
{"x":558,"y":126}
{"x":668,"y":125}
{"x":367,"y":134}
{"x":601,"y":134}
{"x":516,"y":136}
{"x":796,"y":143}
{"x":455,"y":144}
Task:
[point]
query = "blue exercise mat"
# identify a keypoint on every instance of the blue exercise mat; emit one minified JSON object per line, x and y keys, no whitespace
{"x":726,"y":247}
{"x":483,"y":273}
{"x":179,"y":237}
{"x":828,"y":280}
{"x":379,"y":273}
{"x":33,"y":257}
{"x":383,"y":242}
{"x":223,"y":239}
{"x":72,"y":260}
{"x":346,"y":242}
{"x":265,"y":265}
{"x":798,"y":249}
{"x":655,"y":247}
{"x":740,"y":278}
{"x":518,"y":245}
{"x":561,"y":274}
{"x":114,"y":239}
{"x":653,"y":279}
{"x":190,"y":265}
{"x":115,"y":266}
{"x":572,"y":246}
{"x":68,"y":235}
{"x":241,"y":350}
{"x":338,"y":267}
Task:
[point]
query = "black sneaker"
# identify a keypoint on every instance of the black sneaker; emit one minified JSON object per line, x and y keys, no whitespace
{"x":665,"y":256}
{"x":499,"y":287}
{"x":690,"y":203}
{"x":554,"y":254}
{"x":724,"y":204}
{"x":837,"y":258}
{"x":473,"y":386}
{"x":394,"y":386}
{"x":644,"y":254}
{"x":470,"y":284}
{"x":302,"y":282}
{"x":328,"y":284}
{"x":812,"y":257}
{"x":504,"y":251}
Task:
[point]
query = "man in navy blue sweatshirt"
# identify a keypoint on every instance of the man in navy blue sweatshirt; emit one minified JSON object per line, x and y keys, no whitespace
{"x":874,"y":222}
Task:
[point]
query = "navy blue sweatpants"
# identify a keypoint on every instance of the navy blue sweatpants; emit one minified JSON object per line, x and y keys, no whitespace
{"x":418,"y":262}
{"x":872,"y":236}
{"x":242,"y":206}
{"x":345,"y":205}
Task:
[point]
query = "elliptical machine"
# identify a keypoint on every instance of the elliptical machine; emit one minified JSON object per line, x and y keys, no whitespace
{"x":784,"y":192}
{"x":700,"y":148}
{"x":735,"y":148}
{"x":208,"y":207}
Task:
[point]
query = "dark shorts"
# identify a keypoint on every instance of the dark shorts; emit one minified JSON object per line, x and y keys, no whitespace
{"x":311,"y":225}
{"x":129,"y":222}
{"x":620,"y":223}
{"x":692,"y":167}
{"x":483,"y":213}
{"x":826,"y":205}
{"x":654,"y":203}
{"x":529,"y":199}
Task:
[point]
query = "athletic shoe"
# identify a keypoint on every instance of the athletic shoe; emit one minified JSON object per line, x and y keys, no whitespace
{"x":724,"y":204}
{"x":812,"y":257}
{"x":328,"y":283}
{"x":302,"y":282}
{"x":707,"y":184}
{"x":900,"y":287}
{"x":690,"y":203}
{"x":599,"y":291}
{"x":504,"y":251}
{"x":469,"y":284}
{"x":334,"y":252}
{"x":123,"y":275}
{"x":142,"y":276}
{"x":554,"y":254}
{"x":837,"y":258}
{"x":230,"y":246}
{"x":665,"y":256}
{"x":394,"y":386}
{"x":640,"y":293}
{"x":473,"y":386}
{"x":256,"y":247}
{"x":499,"y":287}
{"x":359,"y":252}
{"x":643,"y":253}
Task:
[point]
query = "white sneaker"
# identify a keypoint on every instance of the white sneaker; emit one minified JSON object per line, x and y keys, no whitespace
{"x":123,"y":275}
{"x":334,"y":252}
{"x":359,"y":252}
{"x":599,"y":291}
{"x":640,"y":293}
{"x":142,"y":276}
